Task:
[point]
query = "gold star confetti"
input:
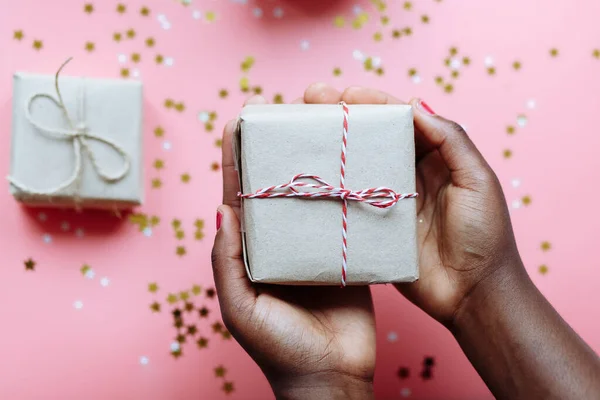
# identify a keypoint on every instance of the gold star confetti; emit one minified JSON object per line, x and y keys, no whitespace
{"x":278,"y":98}
{"x":337,"y":71}
{"x":155,"y":307}
{"x":159,"y":164}
{"x":135,"y":57}
{"x":453,"y":51}
{"x":84,"y":269}
{"x":223,"y":93}
{"x":196,"y":290}
{"x":192,"y":330}
{"x":154,"y":220}
{"x":244,"y":84}
{"x":491,"y":71}
{"x":209,"y":126}
{"x":228,"y":387}
{"x":159,"y":59}
{"x":29,"y":265}
{"x":425,"y":19}
{"x":510,"y":129}
{"x":380,"y":71}
{"x":596,"y":53}
{"x":378,"y":36}
{"x":180,"y":107}
{"x":412,"y":72}
{"x":212,"y":115}
{"x":185,"y":178}
{"x":247,"y":64}
{"x":172,"y":298}
{"x":189,"y":307}
{"x":339,"y":21}
{"x":38,"y":44}
{"x":176,"y":313}
{"x":88,"y":8}
{"x":203,"y":312}
{"x":210,"y":16}
{"x":455,"y":74}
{"x":226,"y":335}
{"x":178,"y":323}
{"x":169,"y":103}
{"x":145,"y":11}
{"x":517,"y":65}
{"x":130,"y":33}
{"x":407,"y":5}
{"x":220,"y":371}
{"x":360,"y":20}
{"x":545,"y":246}
{"x":121,"y":8}
{"x":150,"y":42}
{"x":153,"y":287}
{"x":159,"y":131}
{"x":526,"y":200}
{"x":199,"y":235}
{"x":181,"y":339}
{"x":439,"y":80}
{"x":466,"y":61}
{"x":156,"y":183}
{"x":199,"y":223}
{"x":125,"y":72}
{"x":385,"y":20}
{"x":117,"y":36}
{"x":448,"y":88}
{"x":202,"y":342}
{"x":214,"y":166}
{"x":217,"y":327}
{"x":176,"y":224}
{"x":18,"y":35}
{"x":184,"y":295}
{"x":396,"y":34}
{"x":407,"y":31}
{"x":180,"y":251}
{"x":219,"y":142}
{"x":447,"y":62}
{"x":180,"y":235}
{"x":210,"y":293}
{"x":257,"y":90}
{"x":543,"y":269}
{"x":177,"y":353}
{"x":507,"y":153}
{"x":554,"y":52}
{"x":89,"y":46}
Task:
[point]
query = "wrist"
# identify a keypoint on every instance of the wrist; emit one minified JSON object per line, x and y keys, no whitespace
{"x":323,"y":385}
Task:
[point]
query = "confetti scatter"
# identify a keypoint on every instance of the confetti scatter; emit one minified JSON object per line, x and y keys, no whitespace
{"x":228,"y":387}
{"x":29,"y":265}
{"x":403,"y":372}
{"x":38,"y":45}
{"x":18,"y":35}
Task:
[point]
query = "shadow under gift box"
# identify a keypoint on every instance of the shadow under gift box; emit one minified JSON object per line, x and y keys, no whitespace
{"x":299,"y":241}
{"x":107,"y":114}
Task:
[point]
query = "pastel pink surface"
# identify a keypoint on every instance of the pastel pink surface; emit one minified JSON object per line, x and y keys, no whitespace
{"x":51,"y":350}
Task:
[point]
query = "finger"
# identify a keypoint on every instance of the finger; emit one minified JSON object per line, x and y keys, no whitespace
{"x":299,"y":100}
{"x":322,"y":93}
{"x":235,"y":290}
{"x":467,"y":166}
{"x":362,"y":95}
{"x":231,"y":185}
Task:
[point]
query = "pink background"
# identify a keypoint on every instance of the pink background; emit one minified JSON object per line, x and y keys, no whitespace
{"x":52,"y":350}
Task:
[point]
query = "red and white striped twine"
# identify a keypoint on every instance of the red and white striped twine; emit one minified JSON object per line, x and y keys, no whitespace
{"x":380,"y":197}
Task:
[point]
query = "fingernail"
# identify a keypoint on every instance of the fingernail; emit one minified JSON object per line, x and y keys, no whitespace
{"x":219,"y":219}
{"x":426,"y":107}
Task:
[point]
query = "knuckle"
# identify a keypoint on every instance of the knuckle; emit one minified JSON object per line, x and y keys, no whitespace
{"x":456,"y":128}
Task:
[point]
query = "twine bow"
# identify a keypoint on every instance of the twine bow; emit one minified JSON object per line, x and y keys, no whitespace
{"x":79,"y":135}
{"x":381,"y":197}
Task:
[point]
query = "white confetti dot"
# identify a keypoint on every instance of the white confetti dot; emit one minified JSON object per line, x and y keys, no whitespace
{"x":358,"y":55}
{"x":278,"y":12}
{"x":90,"y":274}
{"x":144,"y":360}
{"x":122,"y":58}
{"x":257,"y":12}
{"x":104,"y":281}
{"x":489,"y":61}
{"x":376,"y":62}
{"x":416,"y":79}
{"x":405,"y":392}
{"x":166,"y":25}
{"x":79,"y":232}
{"x":516,"y":183}
{"x":78,"y":305}
{"x":305,"y":45}
{"x":455,"y":64}
{"x":147,"y":231}
{"x":357,"y":9}
{"x":531,"y":104}
{"x":516,"y":204}
{"x":392,"y":337}
{"x":135,"y":73}
{"x":522,"y":121}
{"x":175,"y":346}
{"x":161,"y":18}
{"x":203,"y":116}
{"x":47,"y":238}
{"x":196,"y":14}
{"x":42,"y":217}
{"x":169,"y":61}
{"x":65,"y":226}
{"x":167,"y":145}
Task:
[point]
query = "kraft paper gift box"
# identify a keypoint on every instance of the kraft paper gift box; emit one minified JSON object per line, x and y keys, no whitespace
{"x":79,"y":147}
{"x":291,"y":240}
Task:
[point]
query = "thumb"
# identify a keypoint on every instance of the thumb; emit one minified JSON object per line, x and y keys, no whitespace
{"x":233,"y":286}
{"x":468,"y":168}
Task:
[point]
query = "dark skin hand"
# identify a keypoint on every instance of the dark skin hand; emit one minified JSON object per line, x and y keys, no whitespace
{"x":320,"y":342}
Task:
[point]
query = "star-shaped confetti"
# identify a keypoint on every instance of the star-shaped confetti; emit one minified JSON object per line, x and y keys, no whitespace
{"x":209,"y":126}
{"x":226,"y":335}
{"x":198,"y":235}
{"x":38,"y":45}
{"x":426,"y":374}
{"x":196,"y":290}
{"x":257,"y":90}
{"x":526,"y":200}
{"x":192,"y":330}
{"x":90,"y":46}
{"x":180,"y":107}
{"x":507,"y":153}
{"x":29,"y":265}
{"x":466,"y":61}
{"x":517,"y":65}
{"x":172,"y":298}
{"x":202,"y":342}
{"x":545,"y":246}
{"x":156,"y":183}
{"x":184,"y":295}
{"x":203,"y":312}
{"x":145,"y":11}
{"x":155,"y":307}
{"x":220,"y":371}
{"x":543,"y":269}
{"x":448,"y":88}
{"x":217,"y":327}
{"x":178,"y":323}
{"x":491,"y":71}
{"x":159,"y":131}
{"x":378,"y":36}
{"x":425,"y":19}
{"x":176,"y":223}
{"x":278,"y":98}
{"x":214,"y":166}
{"x":385,"y":20}
{"x":180,"y":234}
{"x":88,"y":8}
{"x":554,"y":52}
{"x":18,"y":35}
{"x":403,"y":372}
{"x":439,"y":80}
{"x":150,"y":42}
{"x":218,"y":143}
{"x":121,"y":8}
{"x":189,"y":307}
{"x":85,"y":269}
{"x":210,"y":16}
{"x":176,"y":313}
{"x":510,"y":129}
{"x":154,"y":220}
{"x":180,"y":251}
{"x":407,"y":5}
{"x":339,"y":21}
{"x":130,"y":33}
{"x":159,"y":164}
{"x":185,"y":178}
{"x":177,"y":353}
{"x":210,"y":293}
{"x":396,"y":34}
{"x":407,"y":31}
{"x":153,"y":287}
{"x":125,"y":72}
{"x":181,"y":338}
{"x":135,"y":57}
{"x":223,"y":93}
{"x":117,"y":37}
{"x":596,"y":53}
{"x":228,"y":387}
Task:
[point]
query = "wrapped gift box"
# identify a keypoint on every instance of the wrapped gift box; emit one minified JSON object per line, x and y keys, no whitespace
{"x":87,"y":154}
{"x":291,"y":240}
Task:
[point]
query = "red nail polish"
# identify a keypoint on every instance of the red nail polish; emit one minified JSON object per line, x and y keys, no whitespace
{"x":426,"y":107}
{"x":219,"y":219}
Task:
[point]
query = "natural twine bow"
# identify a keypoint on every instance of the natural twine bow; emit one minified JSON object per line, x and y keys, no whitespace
{"x":380,"y":197}
{"x":78,"y":134}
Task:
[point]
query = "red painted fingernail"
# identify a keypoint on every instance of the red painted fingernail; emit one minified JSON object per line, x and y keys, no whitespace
{"x":219,"y":219}
{"x":426,"y":108}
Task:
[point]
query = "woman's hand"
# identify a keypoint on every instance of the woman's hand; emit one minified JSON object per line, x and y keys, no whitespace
{"x":311,"y":342}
